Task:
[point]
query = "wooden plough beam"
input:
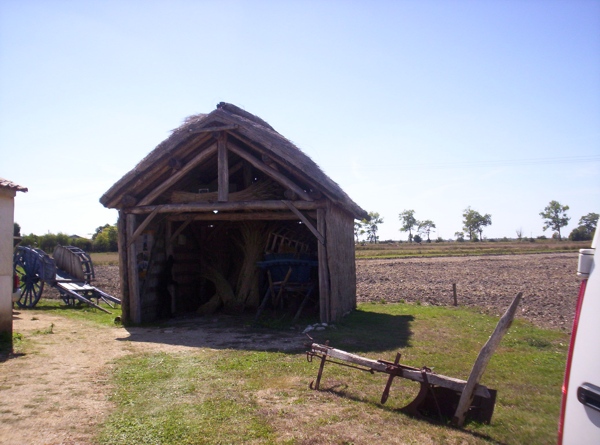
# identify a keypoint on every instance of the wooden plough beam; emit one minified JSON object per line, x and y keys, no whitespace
{"x":429,"y":396}
{"x":450,"y":397}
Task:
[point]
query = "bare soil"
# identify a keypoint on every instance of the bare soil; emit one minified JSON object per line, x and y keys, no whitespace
{"x":57,"y":392}
{"x":548,"y":281}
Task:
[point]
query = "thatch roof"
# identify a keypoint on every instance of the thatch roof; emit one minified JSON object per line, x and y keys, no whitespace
{"x":5,"y":183}
{"x":246,"y":132}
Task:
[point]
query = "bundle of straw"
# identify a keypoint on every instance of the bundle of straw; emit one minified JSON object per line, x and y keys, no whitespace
{"x":259,"y":190}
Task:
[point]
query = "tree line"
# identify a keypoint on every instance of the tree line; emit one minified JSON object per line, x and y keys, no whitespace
{"x":554,"y":217}
{"x":104,"y":239}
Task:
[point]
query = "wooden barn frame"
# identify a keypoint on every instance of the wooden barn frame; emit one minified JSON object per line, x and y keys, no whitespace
{"x":200,"y":211}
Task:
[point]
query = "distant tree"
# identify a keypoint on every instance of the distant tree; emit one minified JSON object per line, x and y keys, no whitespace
{"x":589,"y":221}
{"x":30,"y":240}
{"x":555,"y":217}
{"x":48,"y":242}
{"x":106,"y":240}
{"x":586,"y":229}
{"x":63,"y":239}
{"x":409,"y":222}
{"x":83,"y":243}
{"x":460,"y":236}
{"x":426,"y":227}
{"x":475,"y":222}
{"x":16,"y":229}
{"x":580,"y":234}
{"x":99,"y":230}
{"x":417,"y":239}
{"x":358,"y":229}
{"x":520,"y":234}
{"x":371,"y":226}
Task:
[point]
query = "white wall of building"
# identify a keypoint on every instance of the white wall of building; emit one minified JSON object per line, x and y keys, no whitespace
{"x":7,"y":212}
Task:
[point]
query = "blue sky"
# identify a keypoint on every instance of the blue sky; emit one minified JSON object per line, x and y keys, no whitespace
{"x":426,"y":105}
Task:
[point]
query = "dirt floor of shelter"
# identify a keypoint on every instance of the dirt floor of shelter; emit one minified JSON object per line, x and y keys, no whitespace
{"x":58,"y":393}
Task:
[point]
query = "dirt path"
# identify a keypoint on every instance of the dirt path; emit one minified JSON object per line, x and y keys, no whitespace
{"x":57,"y":393}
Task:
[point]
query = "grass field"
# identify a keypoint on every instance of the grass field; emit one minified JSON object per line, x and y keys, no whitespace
{"x":404,"y":250}
{"x":262,"y":397}
{"x":105,"y":258}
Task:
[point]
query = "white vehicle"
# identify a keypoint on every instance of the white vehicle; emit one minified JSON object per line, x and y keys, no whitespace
{"x":580,"y":411}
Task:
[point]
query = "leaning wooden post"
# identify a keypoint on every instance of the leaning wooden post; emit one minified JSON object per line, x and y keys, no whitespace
{"x":466,"y":397}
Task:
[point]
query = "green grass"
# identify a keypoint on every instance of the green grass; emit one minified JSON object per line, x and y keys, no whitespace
{"x":404,"y":250}
{"x":242,"y":396}
{"x":433,"y":249}
{"x":77,"y":312}
{"x":105,"y":258}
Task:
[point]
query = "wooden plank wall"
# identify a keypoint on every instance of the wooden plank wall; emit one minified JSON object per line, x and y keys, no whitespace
{"x":341,"y":262}
{"x":69,"y":262}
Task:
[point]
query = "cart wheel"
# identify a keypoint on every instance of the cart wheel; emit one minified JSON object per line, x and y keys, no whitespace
{"x":31,"y":285}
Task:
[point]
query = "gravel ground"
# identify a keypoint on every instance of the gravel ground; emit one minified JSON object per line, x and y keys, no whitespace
{"x":548,"y":281}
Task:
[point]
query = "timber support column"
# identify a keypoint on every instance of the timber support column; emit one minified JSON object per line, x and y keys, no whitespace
{"x":132,"y":269}
{"x":123,"y":267}
{"x":324,"y":287}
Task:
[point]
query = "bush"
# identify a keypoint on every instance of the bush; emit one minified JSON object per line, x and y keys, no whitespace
{"x":581,"y":233}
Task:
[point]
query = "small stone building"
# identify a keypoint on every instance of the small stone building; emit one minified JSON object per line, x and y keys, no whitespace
{"x":8,"y":191}
{"x":223,"y":195}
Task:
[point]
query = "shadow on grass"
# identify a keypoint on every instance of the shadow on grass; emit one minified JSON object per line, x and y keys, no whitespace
{"x":360,"y":331}
{"x":341,"y":390}
{"x":363,"y":331}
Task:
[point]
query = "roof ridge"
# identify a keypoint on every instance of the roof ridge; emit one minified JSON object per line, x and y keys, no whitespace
{"x":234,"y":109}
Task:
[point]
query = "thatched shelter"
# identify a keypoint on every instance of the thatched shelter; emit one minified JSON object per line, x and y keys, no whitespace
{"x":200,"y":212}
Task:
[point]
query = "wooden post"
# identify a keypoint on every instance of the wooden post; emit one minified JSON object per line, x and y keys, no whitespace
{"x":466,"y":398}
{"x":454,"y":294}
{"x":324,"y":289}
{"x":223,"y":167}
{"x":134,"y":283}
{"x":169,"y":252}
{"x":123,"y":269}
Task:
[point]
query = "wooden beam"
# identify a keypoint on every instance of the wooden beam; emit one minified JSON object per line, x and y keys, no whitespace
{"x":225,"y":216}
{"x":404,"y":372}
{"x":470,"y":389}
{"x":143,"y":226}
{"x":181,"y":228}
{"x":223,"y":167}
{"x":153,"y":166}
{"x":324,"y":285}
{"x":230,"y":206}
{"x":211,"y":129}
{"x":134,"y":283}
{"x":269,"y":171}
{"x":306,"y":221}
{"x":164,"y":186}
{"x":123,"y":267}
{"x":169,"y":252}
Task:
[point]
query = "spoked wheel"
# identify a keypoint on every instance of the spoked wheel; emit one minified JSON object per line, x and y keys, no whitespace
{"x":27,"y":267}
